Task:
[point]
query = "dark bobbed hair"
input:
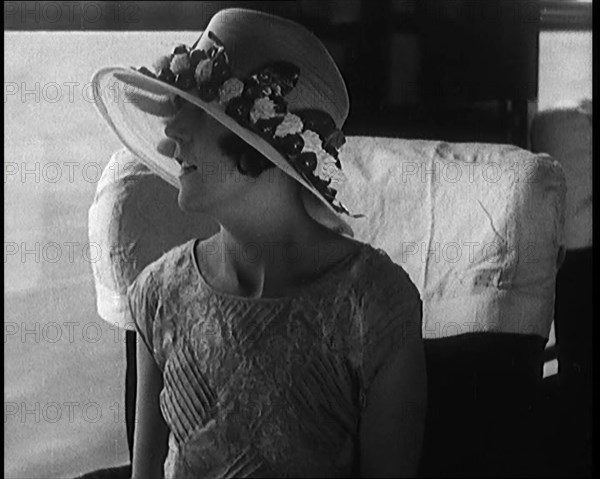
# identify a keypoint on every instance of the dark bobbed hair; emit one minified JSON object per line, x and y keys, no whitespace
{"x":248,"y":160}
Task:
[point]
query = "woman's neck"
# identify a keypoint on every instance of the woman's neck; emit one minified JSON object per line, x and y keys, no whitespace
{"x":277,"y":259}
{"x":268,"y":242}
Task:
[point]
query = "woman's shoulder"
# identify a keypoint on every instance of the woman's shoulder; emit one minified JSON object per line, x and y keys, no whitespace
{"x":378,"y":272}
{"x":171,"y":269}
{"x":386,"y":309}
{"x":387,"y":267}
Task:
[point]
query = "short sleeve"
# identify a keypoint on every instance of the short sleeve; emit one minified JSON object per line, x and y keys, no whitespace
{"x":391,"y":316}
{"x":143,"y":306}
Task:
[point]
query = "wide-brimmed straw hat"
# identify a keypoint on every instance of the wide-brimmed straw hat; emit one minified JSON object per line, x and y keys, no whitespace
{"x":267,"y":79}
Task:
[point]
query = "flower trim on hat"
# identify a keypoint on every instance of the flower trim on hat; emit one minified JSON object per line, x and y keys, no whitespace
{"x":308,"y":138}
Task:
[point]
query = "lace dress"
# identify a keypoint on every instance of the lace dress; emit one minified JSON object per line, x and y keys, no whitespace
{"x":270,"y":387}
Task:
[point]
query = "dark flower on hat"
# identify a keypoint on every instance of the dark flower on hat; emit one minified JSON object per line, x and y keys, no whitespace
{"x":280,"y":77}
{"x":166,"y":75}
{"x":318,"y":121}
{"x":239,"y":109}
{"x":221,"y":70}
{"x":252,"y":89}
{"x":196,"y":56}
{"x":185,"y":81}
{"x":266,"y":127}
{"x":289,"y":146}
{"x":308,"y":161}
{"x":208,"y":91}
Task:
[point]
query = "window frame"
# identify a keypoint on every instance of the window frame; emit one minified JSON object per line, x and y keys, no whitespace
{"x":566,"y":15}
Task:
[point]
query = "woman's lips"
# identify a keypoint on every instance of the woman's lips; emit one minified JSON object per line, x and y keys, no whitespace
{"x":172,"y":149}
{"x":186,"y":168}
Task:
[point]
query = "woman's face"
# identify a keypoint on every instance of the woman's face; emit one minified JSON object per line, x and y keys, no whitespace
{"x":208,"y":177}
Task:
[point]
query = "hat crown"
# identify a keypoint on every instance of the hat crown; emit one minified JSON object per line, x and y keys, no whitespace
{"x":253,"y":38}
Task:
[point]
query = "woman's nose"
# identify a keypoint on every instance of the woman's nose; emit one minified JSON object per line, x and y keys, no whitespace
{"x":168,"y":148}
{"x":175,"y":131}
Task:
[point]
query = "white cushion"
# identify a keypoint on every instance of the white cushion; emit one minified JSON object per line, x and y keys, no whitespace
{"x":134,"y":219}
{"x":477,"y":227}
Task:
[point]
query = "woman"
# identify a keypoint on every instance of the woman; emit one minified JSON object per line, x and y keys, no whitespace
{"x":279,"y":346}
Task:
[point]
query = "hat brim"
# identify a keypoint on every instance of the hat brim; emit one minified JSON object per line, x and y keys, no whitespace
{"x":154,"y":97}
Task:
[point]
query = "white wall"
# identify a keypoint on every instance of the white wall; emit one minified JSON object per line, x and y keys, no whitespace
{"x":565,"y":68}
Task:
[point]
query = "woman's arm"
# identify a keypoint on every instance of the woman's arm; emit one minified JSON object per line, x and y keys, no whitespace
{"x":393,"y":422}
{"x":151,"y":431}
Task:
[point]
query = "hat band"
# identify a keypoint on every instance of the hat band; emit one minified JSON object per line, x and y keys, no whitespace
{"x":308,"y":138}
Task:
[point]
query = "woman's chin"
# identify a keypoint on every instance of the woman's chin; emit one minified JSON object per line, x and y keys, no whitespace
{"x":187,"y":204}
